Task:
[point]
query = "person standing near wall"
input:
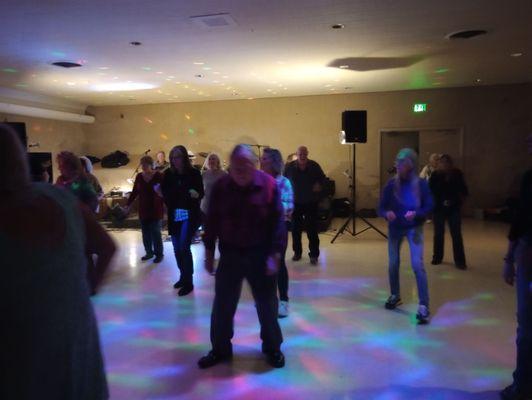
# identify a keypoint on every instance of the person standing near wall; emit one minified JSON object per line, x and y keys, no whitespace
{"x":212,"y":171}
{"x":147,"y":187}
{"x":306,"y":177}
{"x":182,"y":190}
{"x":518,"y":268}
{"x":272,"y":163}
{"x":449,"y":190}
{"x":405,"y":204}
{"x":160,"y":163}
{"x":246,"y":217}
{"x":428,"y":169}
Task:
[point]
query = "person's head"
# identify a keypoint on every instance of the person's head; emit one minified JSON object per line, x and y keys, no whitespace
{"x":242,"y":165}
{"x":529,"y":143}
{"x":213,"y":162}
{"x":271,"y":162}
{"x":445,"y":162}
{"x":86,"y":164}
{"x":433,"y":160}
{"x":146,"y":164}
{"x":179,"y":158}
{"x":38,"y":171}
{"x":406,"y":163}
{"x":302,"y":155}
{"x":161,"y":157}
{"x":13,"y":162}
{"x":69,"y":165}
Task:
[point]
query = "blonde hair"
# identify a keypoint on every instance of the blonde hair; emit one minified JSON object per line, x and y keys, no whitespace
{"x":13,"y":161}
{"x":206,"y":163}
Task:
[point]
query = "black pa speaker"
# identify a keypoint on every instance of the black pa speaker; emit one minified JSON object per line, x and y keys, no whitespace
{"x":20,"y":130}
{"x":354,"y":124}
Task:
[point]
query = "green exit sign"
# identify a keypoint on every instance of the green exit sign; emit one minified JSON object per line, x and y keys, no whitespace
{"x":419,"y":107}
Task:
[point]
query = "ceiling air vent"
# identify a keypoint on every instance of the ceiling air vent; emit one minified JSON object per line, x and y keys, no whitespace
{"x":66,"y":64}
{"x":466,"y":34}
{"x":212,"y":21}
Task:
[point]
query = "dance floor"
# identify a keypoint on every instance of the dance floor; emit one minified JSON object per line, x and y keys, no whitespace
{"x":339,"y":341}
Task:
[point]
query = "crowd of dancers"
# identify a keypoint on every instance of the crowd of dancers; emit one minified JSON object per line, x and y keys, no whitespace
{"x":54,"y":254}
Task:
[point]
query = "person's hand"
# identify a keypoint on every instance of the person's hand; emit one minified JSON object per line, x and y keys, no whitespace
{"x":316,"y":187}
{"x":410,"y":215}
{"x":508,"y":272}
{"x":194,"y":194}
{"x":157,"y":188}
{"x":209,"y":261}
{"x":272,"y":264}
{"x":390,"y":216}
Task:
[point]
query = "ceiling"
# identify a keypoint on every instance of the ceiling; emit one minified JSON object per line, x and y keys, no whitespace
{"x":268,"y":48}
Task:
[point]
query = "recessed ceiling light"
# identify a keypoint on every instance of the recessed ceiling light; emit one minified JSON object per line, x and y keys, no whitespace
{"x":516,"y":54}
{"x":343,"y":66}
{"x":198,"y":76}
{"x":338,"y":26}
{"x":103,"y":68}
{"x":466,"y":34}
{"x":198,"y":63}
{"x":207,"y":68}
{"x":135,"y":43}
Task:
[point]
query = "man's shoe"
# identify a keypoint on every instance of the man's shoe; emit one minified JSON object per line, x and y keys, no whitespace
{"x":146,"y":257}
{"x":463,"y":266}
{"x":296,"y":257}
{"x":178,"y":284}
{"x":392,"y":302}
{"x":186,"y":289}
{"x":211,"y":359}
{"x":422,"y":315}
{"x":314,"y":260}
{"x":283,"y":309}
{"x":275,"y":359}
{"x":435,"y":261}
{"x":158,"y":259}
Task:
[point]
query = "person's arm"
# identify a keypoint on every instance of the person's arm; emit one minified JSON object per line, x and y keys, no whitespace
{"x":278,"y":239}
{"x":288,"y":198}
{"x":426,"y":203}
{"x":464,"y":191}
{"x":198,"y":184}
{"x":319,"y":178}
{"x":212,"y":227}
{"x":134,"y":193}
{"x":166,"y":190}
{"x":424,"y":172}
{"x":98,"y":242}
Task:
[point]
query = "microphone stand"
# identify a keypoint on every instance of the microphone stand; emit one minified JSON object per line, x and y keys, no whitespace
{"x":130,"y":180}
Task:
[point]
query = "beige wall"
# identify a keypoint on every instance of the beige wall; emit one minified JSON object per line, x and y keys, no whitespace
{"x":52,"y":136}
{"x":494,"y":120}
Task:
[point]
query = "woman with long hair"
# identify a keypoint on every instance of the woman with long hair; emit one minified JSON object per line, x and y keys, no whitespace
{"x":272,"y":163}
{"x":182,"y":190}
{"x":74,"y":178}
{"x":405,"y":203}
{"x":49,"y":331}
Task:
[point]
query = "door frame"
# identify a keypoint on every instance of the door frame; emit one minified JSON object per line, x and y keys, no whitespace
{"x":459,"y":129}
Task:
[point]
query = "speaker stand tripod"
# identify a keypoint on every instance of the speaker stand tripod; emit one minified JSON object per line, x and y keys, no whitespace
{"x":352,"y":210}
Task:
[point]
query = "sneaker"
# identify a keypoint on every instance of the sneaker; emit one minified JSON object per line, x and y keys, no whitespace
{"x":296,"y":257}
{"x":146,"y":257}
{"x":423,"y":314}
{"x":511,"y":393}
{"x":178,"y":284}
{"x":283,"y":309}
{"x":275,"y":359}
{"x":185,"y":289}
{"x":314,"y":260}
{"x":157,"y":259}
{"x":392,"y":302}
{"x":211,"y":359}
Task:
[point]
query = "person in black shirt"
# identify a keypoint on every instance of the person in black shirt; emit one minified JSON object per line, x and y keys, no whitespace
{"x":306,"y":177}
{"x":518,"y":267}
{"x":449,"y":190}
{"x":182,"y":189}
